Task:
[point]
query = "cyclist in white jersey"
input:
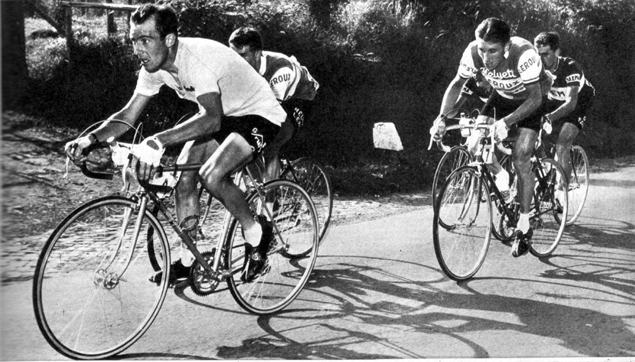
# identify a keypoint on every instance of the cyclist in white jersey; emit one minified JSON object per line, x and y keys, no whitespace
{"x":569,"y":98}
{"x":291,"y":83}
{"x":238,"y":116}
{"x":514,"y":69}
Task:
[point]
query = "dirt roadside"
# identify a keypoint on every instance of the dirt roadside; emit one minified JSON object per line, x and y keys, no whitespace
{"x":36,"y":196}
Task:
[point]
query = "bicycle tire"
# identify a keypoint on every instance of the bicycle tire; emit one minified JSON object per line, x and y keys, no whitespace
{"x":457,"y":156}
{"x":462,"y":244}
{"x":294,"y":222}
{"x":89,"y":302}
{"x":547,"y":219}
{"x":578,"y":183}
{"x":311,"y":175}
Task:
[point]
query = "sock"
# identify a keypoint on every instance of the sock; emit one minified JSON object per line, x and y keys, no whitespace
{"x":253,"y":235}
{"x":559,"y":195}
{"x":187,"y":258}
{"x":523,"y":223}
{"x":502,"y":180}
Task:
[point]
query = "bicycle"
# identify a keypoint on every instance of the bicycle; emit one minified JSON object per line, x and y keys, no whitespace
{"x":91,"y":294}
{"x":462,"y":225}
{"x":457,"y":156}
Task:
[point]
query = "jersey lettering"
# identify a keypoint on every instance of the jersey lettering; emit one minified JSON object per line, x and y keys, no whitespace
{"x":573,"y":78}
{"x":526,"y":65}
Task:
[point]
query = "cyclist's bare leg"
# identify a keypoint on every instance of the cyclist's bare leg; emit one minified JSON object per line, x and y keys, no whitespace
{"x":565,"y":141}
{"x":186,"y":197}
{"x":521,"y":154}
{"x":230,"y":156}
{"x":272,"y":151}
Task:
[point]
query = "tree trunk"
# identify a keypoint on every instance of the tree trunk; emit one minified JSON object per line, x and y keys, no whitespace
{"x":14,"y":69}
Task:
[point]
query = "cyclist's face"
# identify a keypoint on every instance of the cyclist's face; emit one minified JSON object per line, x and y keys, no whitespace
{"x":251,"y":56}
{"x":492,"y":53}
{"x":149,"y":47}
{"x":547,"y":55}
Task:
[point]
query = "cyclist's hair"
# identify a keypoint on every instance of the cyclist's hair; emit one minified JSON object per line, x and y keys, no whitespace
{"x":246,"y":36}
{"x":493,"y":30}
{"x":164,"y":17}
{"x":548,"y":38}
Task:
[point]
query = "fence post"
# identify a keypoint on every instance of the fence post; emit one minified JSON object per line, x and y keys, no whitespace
{"x":111,"y":27}
{"x":68,"y":24}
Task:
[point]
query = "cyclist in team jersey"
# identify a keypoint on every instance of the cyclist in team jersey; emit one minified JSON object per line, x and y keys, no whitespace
{"x":291,"y":83}
{"x":570,"y":97}
{"x":238,"y":116}
{"x":514,"y":69}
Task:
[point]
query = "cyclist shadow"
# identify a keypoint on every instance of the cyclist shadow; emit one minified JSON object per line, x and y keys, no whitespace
{"x":377,"y":303}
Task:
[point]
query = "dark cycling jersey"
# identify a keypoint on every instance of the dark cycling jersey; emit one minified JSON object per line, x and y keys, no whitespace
{"x":568,"y":73}
{"x":471,"y":89}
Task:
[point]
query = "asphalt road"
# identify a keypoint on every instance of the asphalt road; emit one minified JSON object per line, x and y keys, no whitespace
{"x":378,"y":293}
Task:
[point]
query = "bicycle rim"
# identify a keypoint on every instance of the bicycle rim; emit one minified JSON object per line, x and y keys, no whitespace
{"x":295,"y":226}
{"x":461,"y":243}
{"x":91,"y":294}
{"x":547,"y":219}
{"x":457,"y":157}
{"x":578,"y":183}
{"x":311,"y":176}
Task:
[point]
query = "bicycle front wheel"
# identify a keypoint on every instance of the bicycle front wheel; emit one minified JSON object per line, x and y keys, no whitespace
{"x":578,"y":183}
{"x":461,"y":241}
{"x":457,"y":157}
{"x":295,"y":226}
{"x":91,"y":294}
{"x":548,"y":211}
{"x":311,"y":175}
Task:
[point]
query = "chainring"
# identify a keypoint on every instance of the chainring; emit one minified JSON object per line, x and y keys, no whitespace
{"x":201,"y":283}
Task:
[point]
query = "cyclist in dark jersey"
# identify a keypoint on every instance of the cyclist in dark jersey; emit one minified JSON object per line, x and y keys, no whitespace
{"x":570,"y":96}
{"x":514,"y":69}
{"x":474,"y":95}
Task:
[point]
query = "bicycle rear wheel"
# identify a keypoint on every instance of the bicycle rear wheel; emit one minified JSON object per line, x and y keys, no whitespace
{"x":578,"y":183}
{"x":462,"y":240}
{"x":457,"y":157}
{"x":91,"y":294}
{"x":311,"y":175}
{"x":295,"y":226}
{"x":548,"y":214}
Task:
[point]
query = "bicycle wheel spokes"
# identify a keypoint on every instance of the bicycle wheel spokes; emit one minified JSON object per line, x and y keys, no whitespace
{"x":311,"y":176}
{"x":578,"y":183}
{"x":457,"y":157}
{"x":92,"y":297}
{"x":547,"y":218}
{"x":296,"y":232}
{"x":462,"y":239}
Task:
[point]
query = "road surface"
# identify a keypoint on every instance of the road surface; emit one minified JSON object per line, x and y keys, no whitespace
{"x":377,"y":293}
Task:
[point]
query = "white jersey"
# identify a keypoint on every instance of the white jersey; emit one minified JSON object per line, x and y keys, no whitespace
{"x":206,"y":66}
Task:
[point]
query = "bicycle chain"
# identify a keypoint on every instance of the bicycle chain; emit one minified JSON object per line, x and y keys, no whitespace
{"x":201,"y":283}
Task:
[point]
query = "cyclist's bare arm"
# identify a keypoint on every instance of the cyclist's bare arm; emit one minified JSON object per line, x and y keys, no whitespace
{"x":529,"y":106}
{"x":450,"y":98}
{"x":128,"y":114}
{"x":205,"y":122}
{"x":571,"y":101}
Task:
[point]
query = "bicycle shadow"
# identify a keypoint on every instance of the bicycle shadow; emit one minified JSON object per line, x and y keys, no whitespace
{"x":422,"y":308}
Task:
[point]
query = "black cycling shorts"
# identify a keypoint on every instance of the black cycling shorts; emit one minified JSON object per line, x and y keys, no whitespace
{"x":578,"y":116}
{"x":499,"y":107}
{"x":298,"y":111}
{"x":256,"y":130}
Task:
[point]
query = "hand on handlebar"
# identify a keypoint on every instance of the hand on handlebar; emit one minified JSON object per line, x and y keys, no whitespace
{"x":437,"y":130}
{"x":546,"y":124}
{"x":74,"y":149}
{"x":147,"y":157}
{"x":500,"y":130}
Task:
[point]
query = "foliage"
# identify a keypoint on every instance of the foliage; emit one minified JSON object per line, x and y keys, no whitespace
{"x":376,"y":61}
